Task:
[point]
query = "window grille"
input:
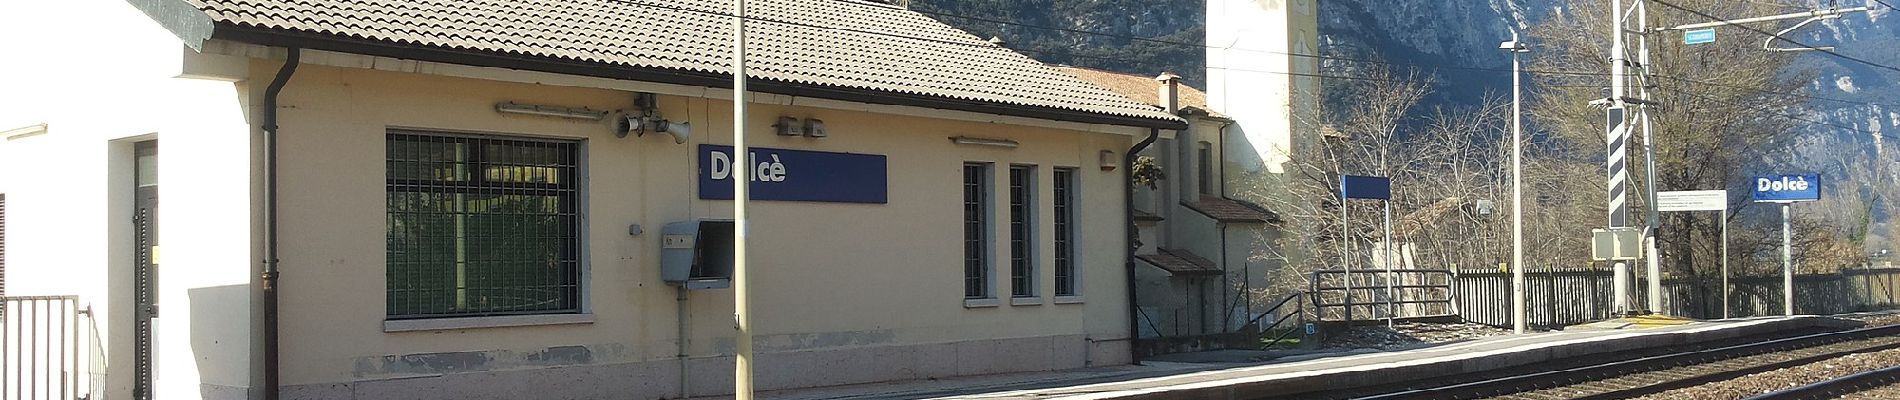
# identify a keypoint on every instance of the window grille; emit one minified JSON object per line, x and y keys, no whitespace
{"x":1022,"y":269}
{"x":976,"y":231}
{"x":1063,"y":186}
{"x":482,"y":226}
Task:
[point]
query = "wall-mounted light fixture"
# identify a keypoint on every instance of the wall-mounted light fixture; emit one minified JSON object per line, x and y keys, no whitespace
{"x":791,"y":126}
{"x":648,"y":120}
{"x":1108,"y":160}
{"x":582,"y":113}
{"x":977,"y":141}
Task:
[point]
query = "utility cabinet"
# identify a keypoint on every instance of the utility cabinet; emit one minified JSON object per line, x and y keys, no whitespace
{"x":697,"y":254}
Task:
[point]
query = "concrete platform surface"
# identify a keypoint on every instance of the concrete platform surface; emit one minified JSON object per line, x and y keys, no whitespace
{"x":1306,"y":373}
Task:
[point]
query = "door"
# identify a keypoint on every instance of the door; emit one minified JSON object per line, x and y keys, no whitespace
{"x":145,"y":259}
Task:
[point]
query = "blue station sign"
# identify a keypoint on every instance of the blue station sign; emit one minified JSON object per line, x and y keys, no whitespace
{"x":796,"y":175}
{"x":1365,"y":187}
{"x":1786,"y":188}
{"x":1698,"y":36}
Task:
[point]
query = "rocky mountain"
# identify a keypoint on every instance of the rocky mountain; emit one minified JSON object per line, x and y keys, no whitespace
{"x":1440,"y":39}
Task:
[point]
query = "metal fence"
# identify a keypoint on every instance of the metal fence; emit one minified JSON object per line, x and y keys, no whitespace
{"x":1565,"y":296}
{"x":1414,"y":293}
{"x":49,"y":349}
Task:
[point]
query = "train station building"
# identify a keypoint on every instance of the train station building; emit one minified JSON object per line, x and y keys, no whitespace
{"x":397,"y":199}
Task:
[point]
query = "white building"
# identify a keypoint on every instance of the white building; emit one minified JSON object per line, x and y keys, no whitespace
{"x":450,"y":212}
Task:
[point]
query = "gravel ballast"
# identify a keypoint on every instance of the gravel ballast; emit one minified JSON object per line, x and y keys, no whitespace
{"x":1785,"y":378}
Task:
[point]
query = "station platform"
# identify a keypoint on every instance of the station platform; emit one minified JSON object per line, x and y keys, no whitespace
{"x":1237,"y":375}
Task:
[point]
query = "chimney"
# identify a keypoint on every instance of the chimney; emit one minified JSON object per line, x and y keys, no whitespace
{"x":1170,"y":95}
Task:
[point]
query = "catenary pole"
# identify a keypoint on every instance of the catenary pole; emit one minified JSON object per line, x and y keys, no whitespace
{"x":1725,"y":261}
{"x":741,"y":182}
{"x":1651,"y":256}
{"x":1617,"y":135}
{"x":1517,"y":187}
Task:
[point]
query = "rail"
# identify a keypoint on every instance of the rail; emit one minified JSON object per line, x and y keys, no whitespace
{"x":1836,"y":387}
{"x":49,"y":349}
{"x":1299,"y":310}
{"x":1576,"y":378}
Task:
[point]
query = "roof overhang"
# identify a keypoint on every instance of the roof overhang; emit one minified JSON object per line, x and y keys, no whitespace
{"x":194,"y":28}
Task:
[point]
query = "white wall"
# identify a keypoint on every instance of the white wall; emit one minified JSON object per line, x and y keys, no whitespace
{"x":101,"y":74}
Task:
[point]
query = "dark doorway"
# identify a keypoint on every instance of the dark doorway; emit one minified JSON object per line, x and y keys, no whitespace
{"x":145,"y":264}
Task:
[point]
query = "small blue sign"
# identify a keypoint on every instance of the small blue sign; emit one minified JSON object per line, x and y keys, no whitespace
{"x":1365,"y":187}
{"x":1786,"y":188}
{"x":796,"y":175}
{"x":1698,"y":36}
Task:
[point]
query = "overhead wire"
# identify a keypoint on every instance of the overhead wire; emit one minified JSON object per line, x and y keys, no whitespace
{"x":1072,"y":54}
{"x":1779,"y":37}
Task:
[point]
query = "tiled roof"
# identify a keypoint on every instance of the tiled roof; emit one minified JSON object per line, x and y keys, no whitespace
{"x":1142,"y":88}
{"x":1180,"y":262}
{"x":1229,"y":210}
{"x":853,"y":45}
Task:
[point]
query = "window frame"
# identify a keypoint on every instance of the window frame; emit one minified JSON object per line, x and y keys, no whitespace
{"x":1063,"y":185}
{"x":1205,"y":168}
{"x":978,"y":221}
{"x":572,"y":190}
{"x":1023,"y":210}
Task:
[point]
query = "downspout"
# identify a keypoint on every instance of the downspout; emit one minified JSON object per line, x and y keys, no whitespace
{"x":269,"y":277}
{"x":1169,"y":94}
{"x":1129,"y":232}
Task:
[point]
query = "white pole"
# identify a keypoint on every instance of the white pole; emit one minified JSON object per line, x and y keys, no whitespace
{"x":1518,"y":319}
{"x":1389,"y":314}
{"x":1724,"y":262}
{"x":1619,"y":285}
{"x":1787,"y":264}
{"x":741,"y":182}
{"x":1649,"y":158}
{"x":1345,"y":262}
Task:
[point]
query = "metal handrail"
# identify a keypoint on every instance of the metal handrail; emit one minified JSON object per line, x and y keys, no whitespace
{"x":1299,"y":310}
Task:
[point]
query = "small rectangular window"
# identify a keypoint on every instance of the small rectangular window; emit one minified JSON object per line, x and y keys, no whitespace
{"x":1063,"y":185}
{"x":1022,"y":231}
{"x":976,"y":205}
{"x":1206,"y":169}
{"x":482,"y":226}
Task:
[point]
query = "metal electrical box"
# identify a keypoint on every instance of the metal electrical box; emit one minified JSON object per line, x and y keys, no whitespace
{"x":697,"y":254}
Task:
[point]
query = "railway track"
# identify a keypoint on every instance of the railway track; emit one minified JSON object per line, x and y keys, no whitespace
{"x":1837,"y":387}
{"x":1655,"y":374}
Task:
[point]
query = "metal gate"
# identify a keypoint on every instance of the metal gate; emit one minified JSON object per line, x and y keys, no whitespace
{"x":49,"y":349}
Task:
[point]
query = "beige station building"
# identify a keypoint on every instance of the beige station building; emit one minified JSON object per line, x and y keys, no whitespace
{"x":372,"y":199}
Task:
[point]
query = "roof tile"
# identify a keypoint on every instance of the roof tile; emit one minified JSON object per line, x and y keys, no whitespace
{"x":836,"y":43}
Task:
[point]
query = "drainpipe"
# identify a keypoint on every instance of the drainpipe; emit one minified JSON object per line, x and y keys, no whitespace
{"x":269,"y":278}
{"x":1129,"y":232}
{"x":1170,"y":99}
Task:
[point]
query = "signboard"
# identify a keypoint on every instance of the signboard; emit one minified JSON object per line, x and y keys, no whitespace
{"x":1692,"y":200}
{"x":1698,"y":36}
{"x":796,"y":175}
{"x":1786,"y":188}
{"x":1615,"y":243}
{"x":1365,"y":187}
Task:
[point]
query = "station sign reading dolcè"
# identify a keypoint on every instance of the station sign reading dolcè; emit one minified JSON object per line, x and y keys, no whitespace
{"x":796,"y":175}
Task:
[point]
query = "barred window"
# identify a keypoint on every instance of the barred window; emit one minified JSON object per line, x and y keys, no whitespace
{"x":1022,"y":229}
{"x":976,"y":204}
{"x":481,"y":226}
{"x":1063,"y":185}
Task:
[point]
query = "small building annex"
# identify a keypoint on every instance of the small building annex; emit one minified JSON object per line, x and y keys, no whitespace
{"x":370,"y":199}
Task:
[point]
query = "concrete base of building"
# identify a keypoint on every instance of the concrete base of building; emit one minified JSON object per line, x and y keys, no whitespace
{"x":712,"y":376}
